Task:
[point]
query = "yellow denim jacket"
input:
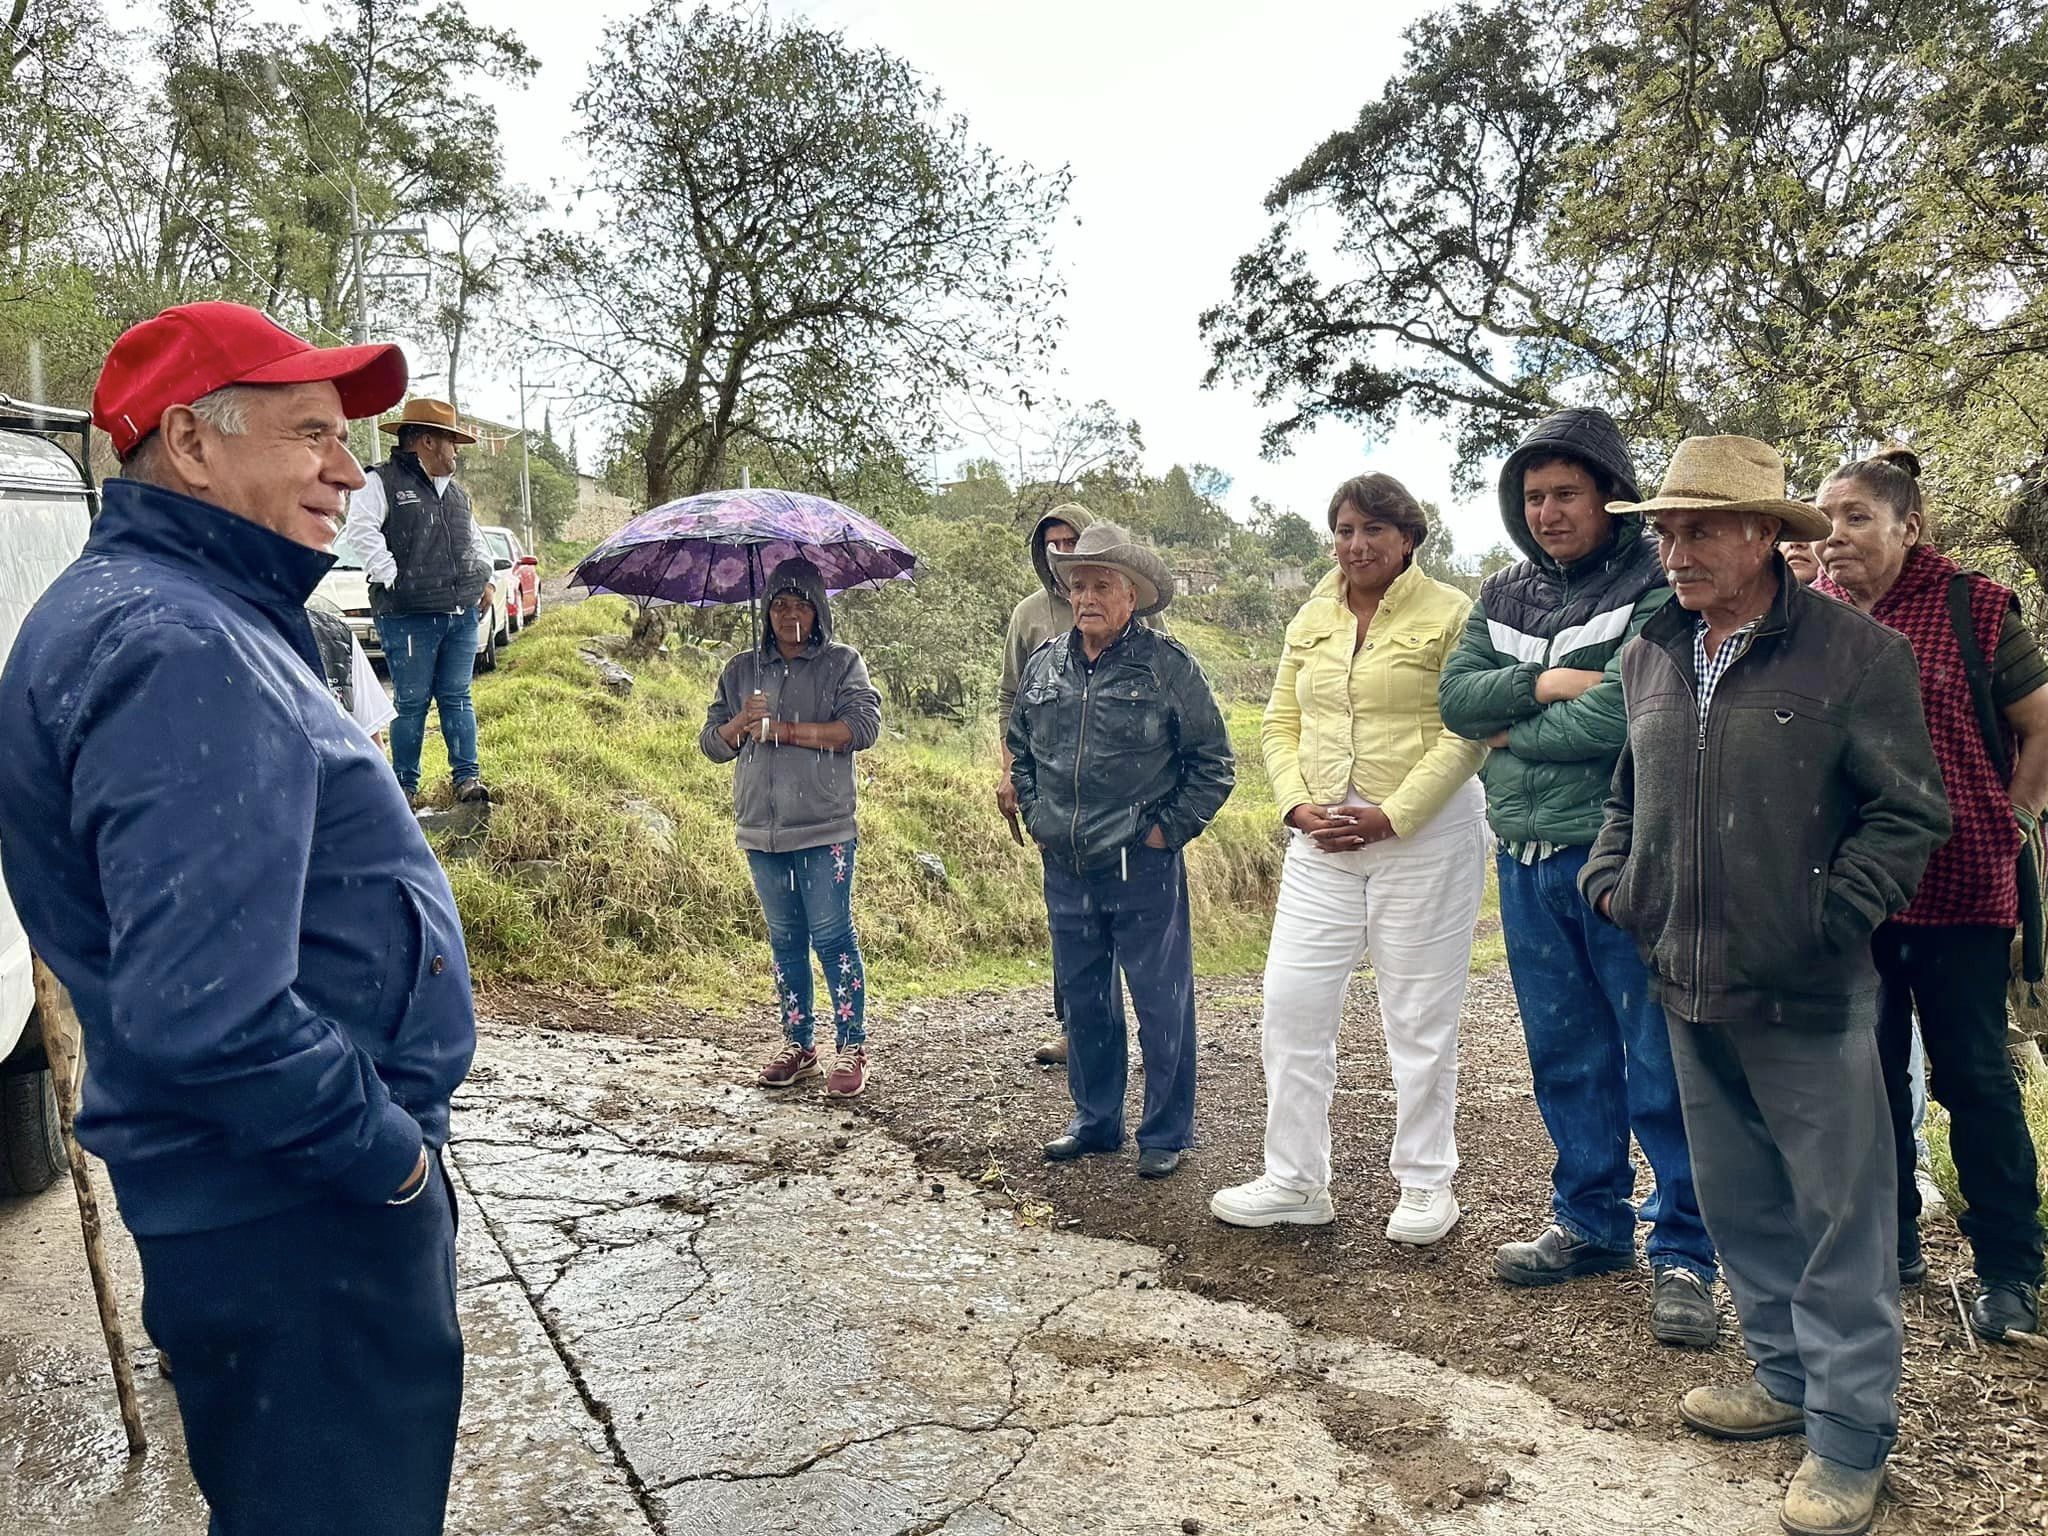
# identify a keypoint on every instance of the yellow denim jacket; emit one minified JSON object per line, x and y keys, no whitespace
{"x":1367,"y":719}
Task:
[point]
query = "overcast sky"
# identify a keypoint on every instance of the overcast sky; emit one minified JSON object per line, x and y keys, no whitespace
{"x":1176,"y":117}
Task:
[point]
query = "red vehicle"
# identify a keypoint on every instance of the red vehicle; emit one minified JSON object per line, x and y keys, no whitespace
{"x":518,"y":577}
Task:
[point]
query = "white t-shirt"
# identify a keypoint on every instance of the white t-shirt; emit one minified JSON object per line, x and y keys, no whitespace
{"x":373,"y":708}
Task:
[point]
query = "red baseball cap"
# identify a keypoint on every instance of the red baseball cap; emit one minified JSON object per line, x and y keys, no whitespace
{"x":194,"y":349}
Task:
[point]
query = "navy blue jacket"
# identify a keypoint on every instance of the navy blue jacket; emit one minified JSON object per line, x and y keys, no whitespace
{"x":264,"y":953}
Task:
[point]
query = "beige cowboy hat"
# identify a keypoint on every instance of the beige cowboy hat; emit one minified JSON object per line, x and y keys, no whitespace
{"x":422,"y":412}
{"x":1730,"y":474}
{"x":1108,"y":545}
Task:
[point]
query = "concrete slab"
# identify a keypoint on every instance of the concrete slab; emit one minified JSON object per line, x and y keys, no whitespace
{"x":790,"y":1327}
{"x":697,"y":1308}
{"x":530,"y":1458}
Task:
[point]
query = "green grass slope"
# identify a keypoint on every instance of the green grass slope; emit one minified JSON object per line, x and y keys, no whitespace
{"x":571,"y":886}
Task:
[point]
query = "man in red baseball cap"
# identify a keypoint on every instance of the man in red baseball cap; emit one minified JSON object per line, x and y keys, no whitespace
{"x":264,"y":953}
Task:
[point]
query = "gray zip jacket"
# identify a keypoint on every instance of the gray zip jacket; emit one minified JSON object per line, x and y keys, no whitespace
{"x":788,"y":798}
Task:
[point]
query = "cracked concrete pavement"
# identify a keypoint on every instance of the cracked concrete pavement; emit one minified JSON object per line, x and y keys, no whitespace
{"x":697,"y":1308}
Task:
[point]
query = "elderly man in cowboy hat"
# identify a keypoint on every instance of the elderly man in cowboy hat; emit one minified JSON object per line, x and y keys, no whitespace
{"x":429,"y":572}
{"x":1120,"y":759}
{"x":264,"y":953}
{"x":1777,"y":799}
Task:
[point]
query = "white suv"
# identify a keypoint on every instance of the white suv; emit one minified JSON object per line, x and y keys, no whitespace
{"x":46,"y":504}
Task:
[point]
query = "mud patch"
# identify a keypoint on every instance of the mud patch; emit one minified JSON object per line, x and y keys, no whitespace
{"x":1408,"y":1446}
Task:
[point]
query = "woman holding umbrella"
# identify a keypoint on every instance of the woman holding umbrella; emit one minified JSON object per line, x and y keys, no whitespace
{"x":792,"y":712}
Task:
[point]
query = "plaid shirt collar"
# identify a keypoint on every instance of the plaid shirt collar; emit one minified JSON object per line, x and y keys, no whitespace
{"x":1709,"y":671}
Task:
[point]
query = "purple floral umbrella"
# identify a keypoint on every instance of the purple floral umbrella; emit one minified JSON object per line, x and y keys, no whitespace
{"x":720,"y":548}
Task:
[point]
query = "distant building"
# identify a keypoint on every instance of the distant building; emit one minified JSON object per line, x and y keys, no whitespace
{"x":1194,"y":576}
{"x":599,"y":513}
{"x":1288,"y":577}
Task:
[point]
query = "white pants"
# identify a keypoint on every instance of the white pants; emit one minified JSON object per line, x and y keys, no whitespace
{"x":1409,"y":902}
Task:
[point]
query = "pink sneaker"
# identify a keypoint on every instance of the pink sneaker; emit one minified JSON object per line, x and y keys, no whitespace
{"x":790,"y":1066}
{"x":849,"y":1074}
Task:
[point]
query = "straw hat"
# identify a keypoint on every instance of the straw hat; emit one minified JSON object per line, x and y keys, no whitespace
{"x":1108,"y":545}
{"x":1730,"y":474}
{"x":422,"y":412}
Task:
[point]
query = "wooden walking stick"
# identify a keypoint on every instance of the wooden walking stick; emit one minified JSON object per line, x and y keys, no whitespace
{"x":63,"y":1045}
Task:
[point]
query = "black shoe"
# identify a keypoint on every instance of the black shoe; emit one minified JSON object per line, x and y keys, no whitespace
{"x":2006,"y":1307}
{"x":1555,"y":1256}
{"x":1682,"y":1309}
{"x":1157,"y":1162}
{"x":472,"y":790}
{"x":1912,"y":1263}
{"x":1064,"y":1149}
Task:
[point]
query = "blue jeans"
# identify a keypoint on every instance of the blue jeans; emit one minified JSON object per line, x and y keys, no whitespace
{"x":807,"y":897}
{"x":431,"y":657}
{"x":1601,"y":1057}
{"x":1102,"y":923}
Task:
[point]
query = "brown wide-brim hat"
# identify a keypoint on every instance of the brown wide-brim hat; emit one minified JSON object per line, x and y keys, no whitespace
{"x":1730,"y":474}
{"x":422,"y":412}
{"x":1108,"y":545}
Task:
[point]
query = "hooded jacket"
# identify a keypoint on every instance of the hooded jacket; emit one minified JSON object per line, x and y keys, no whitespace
{"x":1550,"y":781}
{"x":1752,"y":856}
{"x":786,"y":798}
{"x":1046,"y":613}
{"x":263,"y":951}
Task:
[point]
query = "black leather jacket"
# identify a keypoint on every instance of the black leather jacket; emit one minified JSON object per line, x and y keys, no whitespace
{"x":1104,"y":753}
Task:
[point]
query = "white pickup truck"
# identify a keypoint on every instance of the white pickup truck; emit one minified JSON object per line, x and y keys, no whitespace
{"x":46,"y":503}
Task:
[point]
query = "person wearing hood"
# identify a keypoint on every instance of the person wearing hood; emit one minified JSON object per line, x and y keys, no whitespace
{"x":1538,"y":677}
{"x":1043,"y":615}
{"x":1120,"y":759}
{"x":1385,"y":856}
{"x":792,"y":713}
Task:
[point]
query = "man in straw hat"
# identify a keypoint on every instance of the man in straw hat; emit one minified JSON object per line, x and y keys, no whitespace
{"x":1041,"y":616}
{"x":1777,"y":799}
{"x":429,"y":572}
{"x":1120,"y":759}
{"x":263,"y":951}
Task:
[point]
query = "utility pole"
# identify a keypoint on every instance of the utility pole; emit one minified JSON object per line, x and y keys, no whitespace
{"x":525,"y":477}
{"x":359,"y":240}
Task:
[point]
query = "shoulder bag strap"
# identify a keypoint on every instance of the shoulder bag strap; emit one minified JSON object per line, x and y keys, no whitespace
{"x":2033,"y":928}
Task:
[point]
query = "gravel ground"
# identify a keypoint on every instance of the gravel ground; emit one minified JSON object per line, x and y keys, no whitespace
{"x":954,"y":1080}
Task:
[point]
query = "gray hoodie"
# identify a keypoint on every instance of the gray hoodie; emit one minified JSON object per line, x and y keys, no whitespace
{"x":787,"y":798}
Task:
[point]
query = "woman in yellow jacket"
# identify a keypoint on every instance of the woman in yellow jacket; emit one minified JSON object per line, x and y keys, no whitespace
{"x":1385,"y":856}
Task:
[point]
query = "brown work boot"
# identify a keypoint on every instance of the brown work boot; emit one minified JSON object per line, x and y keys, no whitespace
{"x":1052,"y":1054}
{"x":1746,"y":1412}
{"x":790,"y":1066}
{"x":1829,"y":1499}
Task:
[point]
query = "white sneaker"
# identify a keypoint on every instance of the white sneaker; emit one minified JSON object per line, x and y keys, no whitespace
{"x":1262,"y":1203}
{"x":1423,"y":1216}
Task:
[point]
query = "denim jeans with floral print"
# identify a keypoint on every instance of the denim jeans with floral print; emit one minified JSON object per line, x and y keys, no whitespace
{"x":807,"y":898}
